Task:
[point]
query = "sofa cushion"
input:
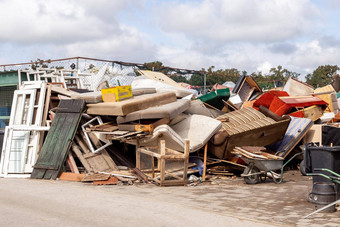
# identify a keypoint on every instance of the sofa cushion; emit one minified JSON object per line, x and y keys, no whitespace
{"x":168,"y":111}
{"x":197,"y":128}
{"x":133,"y":104}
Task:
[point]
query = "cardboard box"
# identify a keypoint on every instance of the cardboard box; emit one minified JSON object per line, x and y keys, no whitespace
{"x":116,"y":94}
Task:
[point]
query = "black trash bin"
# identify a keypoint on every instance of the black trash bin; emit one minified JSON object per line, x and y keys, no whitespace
{"x":327,"y":157}
{"x":324,"y":190}
{"x":330,"y":135}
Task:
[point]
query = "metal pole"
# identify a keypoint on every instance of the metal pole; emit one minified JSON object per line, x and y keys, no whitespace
{"x":321,"y":209}
{"x":205,"y":83}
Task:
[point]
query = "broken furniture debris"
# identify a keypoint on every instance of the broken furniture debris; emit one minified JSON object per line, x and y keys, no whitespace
{"x":70,"y":126}
{"x":247,"y":127}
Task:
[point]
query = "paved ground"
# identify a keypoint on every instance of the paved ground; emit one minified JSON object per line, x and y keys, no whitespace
{"x":25,"y":202}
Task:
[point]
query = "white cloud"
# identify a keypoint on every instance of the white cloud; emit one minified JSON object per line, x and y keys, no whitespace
{"x":264,"y":67}
{"x":238,"y":20}
{"x":129,"y":45}
{"x":61,"y":21}
{"x":251,"y":35}
{"x":311,"y":55}
{"x":51,"y":29}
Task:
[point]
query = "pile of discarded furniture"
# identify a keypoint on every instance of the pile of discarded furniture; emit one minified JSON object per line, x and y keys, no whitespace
{"x":156,"y":131}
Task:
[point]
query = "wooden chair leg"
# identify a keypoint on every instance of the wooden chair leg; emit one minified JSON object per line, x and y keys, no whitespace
{"x":162,"y":161}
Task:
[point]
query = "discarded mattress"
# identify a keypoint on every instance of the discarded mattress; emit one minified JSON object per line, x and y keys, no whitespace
{"x":197,"y":128}
{"x":89,"y":97}
{"x":247,"y":127}
{"x":297,"y":129}
{"x":168,"y":111}
{"x":198,"y":107}
{"x":160,"y":87}
{"x":143,"y":91}
{"x":133,"y":104}
{"x":160,"y":77}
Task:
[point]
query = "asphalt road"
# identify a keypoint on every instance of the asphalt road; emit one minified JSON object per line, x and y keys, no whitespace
{"x":26,"y":202}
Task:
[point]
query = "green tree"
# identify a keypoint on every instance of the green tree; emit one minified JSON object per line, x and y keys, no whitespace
{"x":196,"y":80}
{"x":39,"y":63}
{"x":263,"y":81}
{"x":280,"y":75}
{"x":222,"y":75}
{"x":156,"y":66}
{"x":179,"y":79}
{"x":294,"y":75}
{"x":322,"y":75}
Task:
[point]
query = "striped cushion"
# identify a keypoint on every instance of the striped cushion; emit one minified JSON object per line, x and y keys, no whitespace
{"x":244,"y":120}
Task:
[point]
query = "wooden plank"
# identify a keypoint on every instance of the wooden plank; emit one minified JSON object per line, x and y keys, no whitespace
{"x":99,"y":162}
{"x":138,"y":158}
{"x":72,"y":163}
{"x":47,"y":104}
{"x":173,"y":183}
{"x":112,"y":180}
{"x":151,"y":153}
{"x":96,"y":177}
{"x":220,"y":173}
{"x":230,"y":162}
{"x":83,"y":161}
{"x":82,"y":144}
{"x":248,"y":96}
{"x":45,"y":113}
{"x":103,"y":152}
{"x":62,"y":90}
{"x":71,"y":176}
{"x":106,"y":127}
{"x":162,"y":161}
{"x":172,"y":170}
{"x":173,"y":175}
{"x":141,"y":175}
{"x":109,"y":160}
{"x":205,"y":161}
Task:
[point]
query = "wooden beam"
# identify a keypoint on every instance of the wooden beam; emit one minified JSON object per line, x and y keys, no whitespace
{"x":72,"y":163}
{"x":205,"y":161}
{"x":71,"y":176}
{"x":162,"y":161}
{"x":81,"y":158}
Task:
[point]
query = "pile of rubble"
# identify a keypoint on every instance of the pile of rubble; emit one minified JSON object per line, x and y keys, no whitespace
{"x":156,"y":131}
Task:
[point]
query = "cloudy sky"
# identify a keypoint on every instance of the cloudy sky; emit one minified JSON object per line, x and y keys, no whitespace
{"x":251,"y":35}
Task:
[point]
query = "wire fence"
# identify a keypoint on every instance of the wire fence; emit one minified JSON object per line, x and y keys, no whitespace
{"x":83,"y":64}
{"x":115,"y":72}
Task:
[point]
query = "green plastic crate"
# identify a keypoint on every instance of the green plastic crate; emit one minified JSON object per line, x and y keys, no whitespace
{"x":214,"y":98}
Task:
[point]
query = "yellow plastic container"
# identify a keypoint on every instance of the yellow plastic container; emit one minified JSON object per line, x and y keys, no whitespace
{"x":116,"y":94}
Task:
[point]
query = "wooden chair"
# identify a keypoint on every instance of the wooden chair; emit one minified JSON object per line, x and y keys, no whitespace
{"x":164,"y":154}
